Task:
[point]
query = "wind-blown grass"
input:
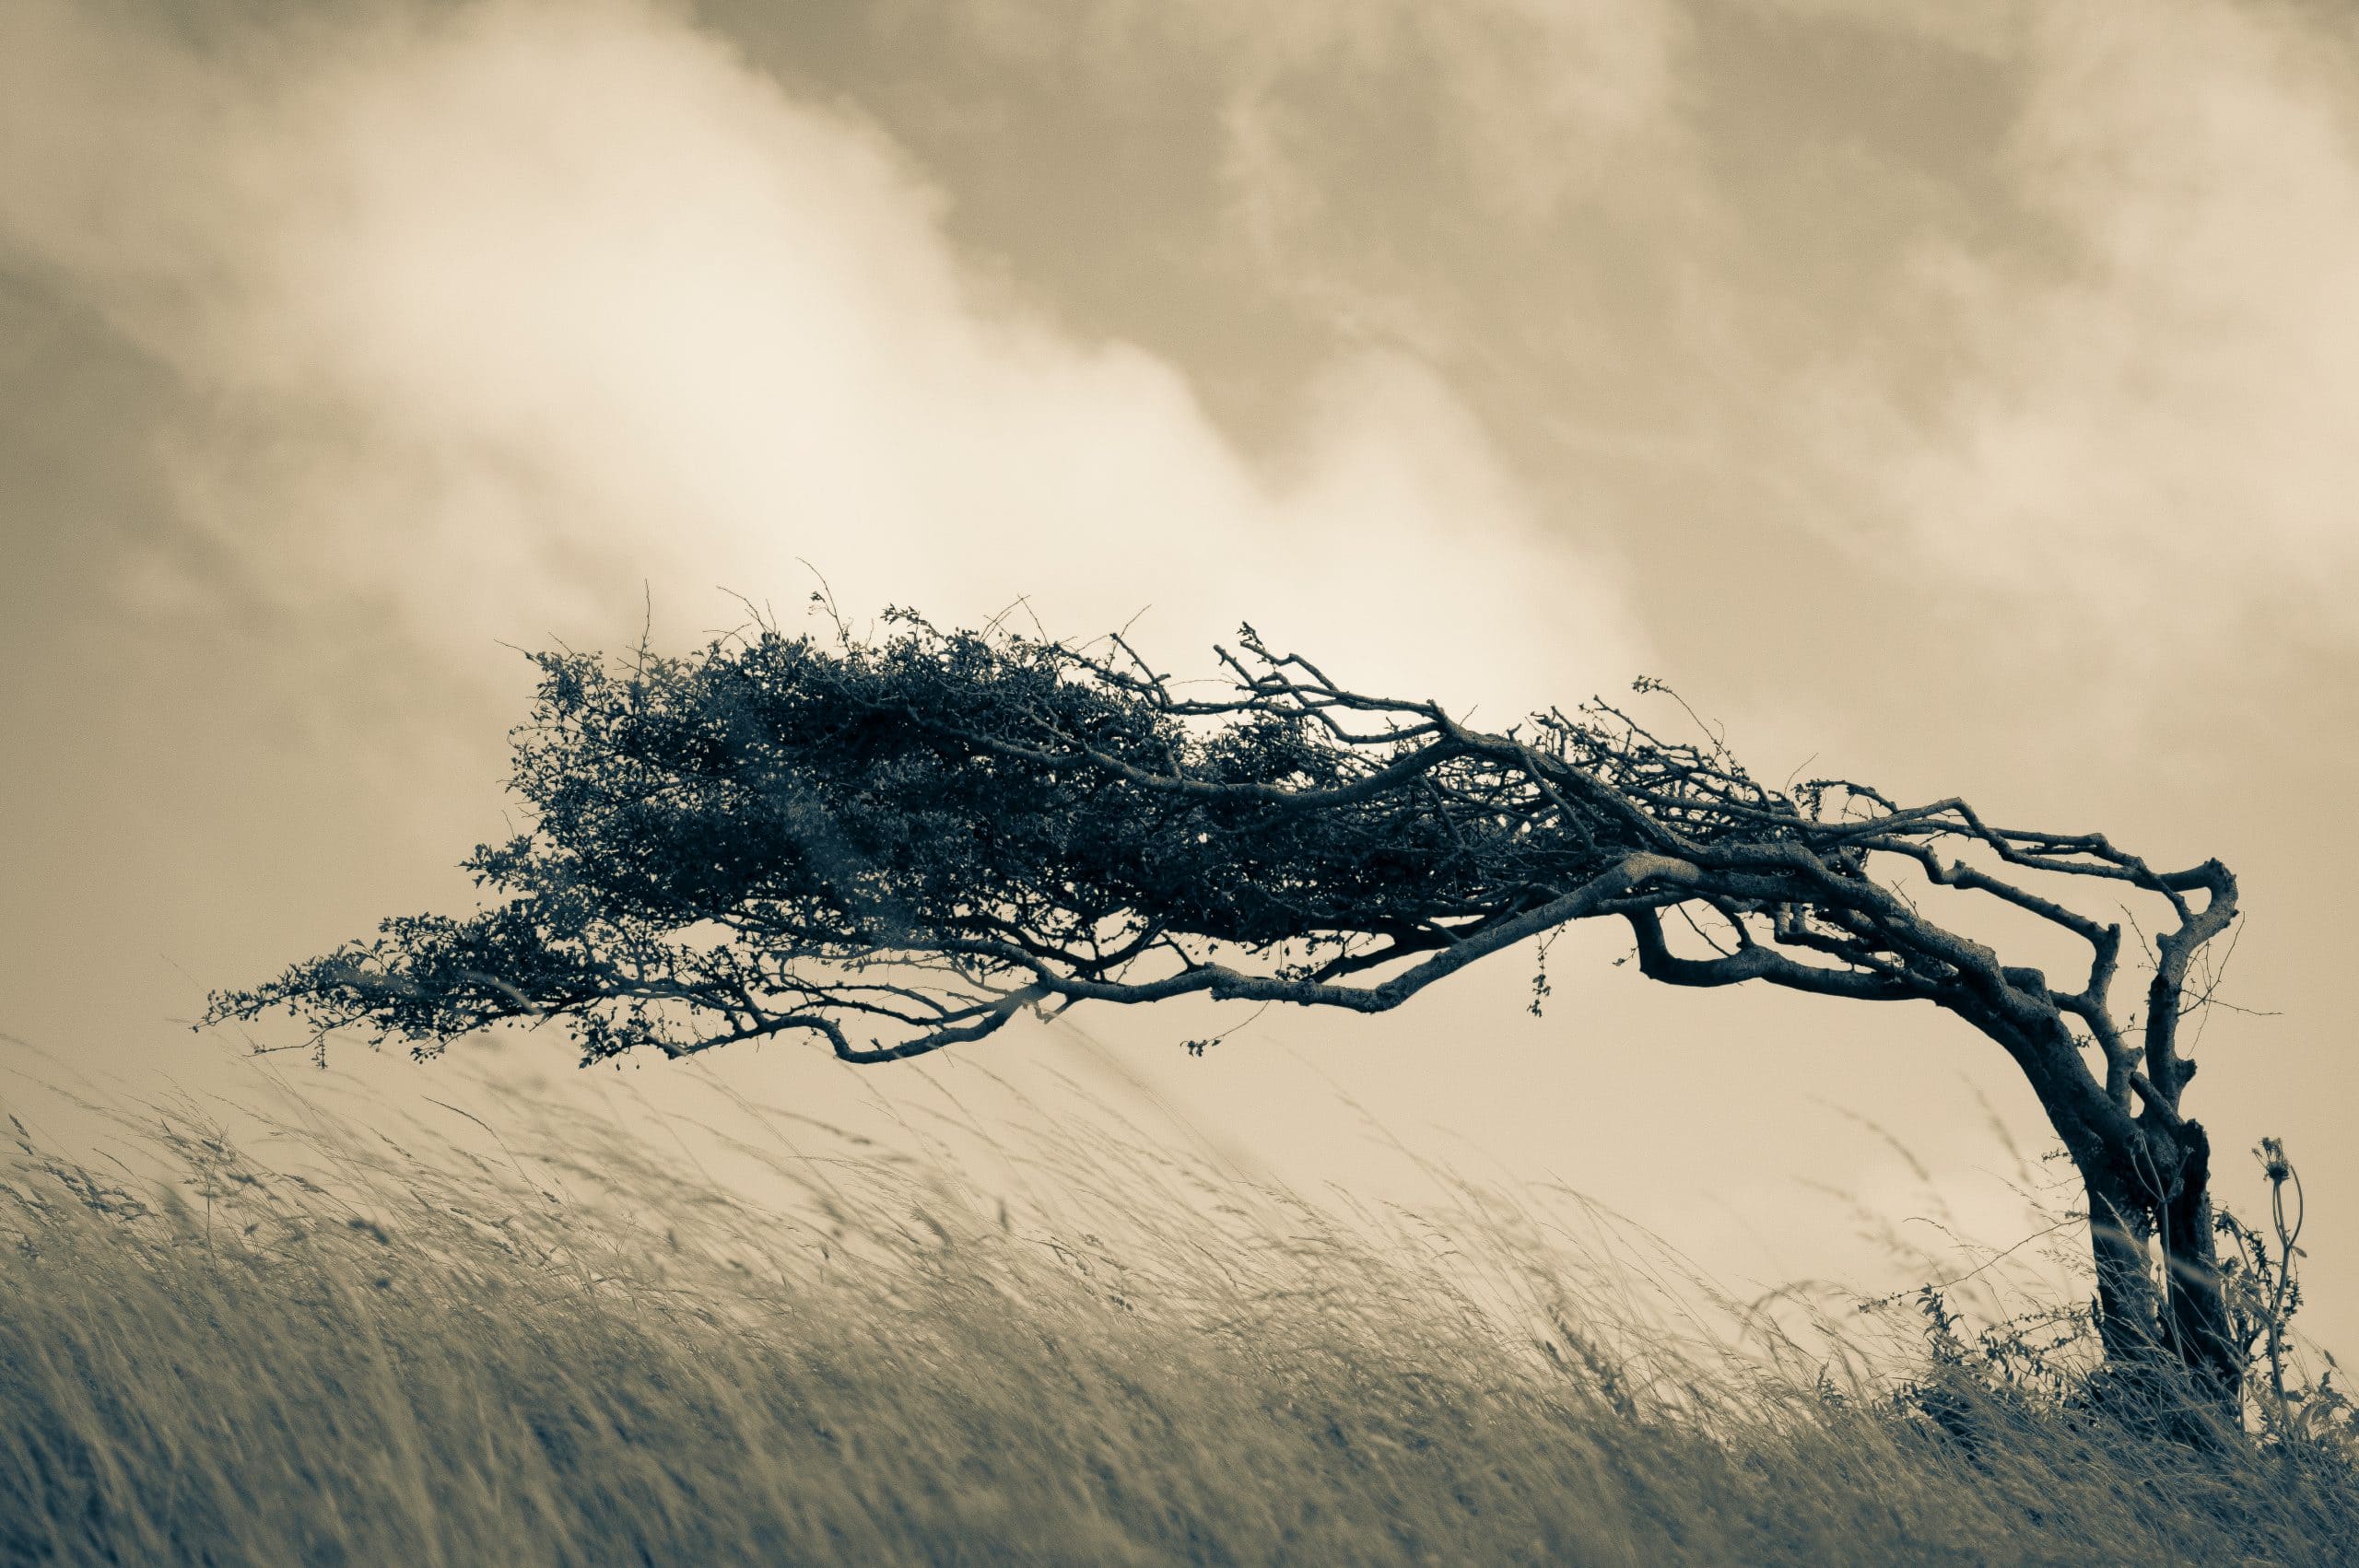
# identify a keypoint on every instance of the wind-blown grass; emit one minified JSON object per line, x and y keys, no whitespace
{"x":372,"y":1348}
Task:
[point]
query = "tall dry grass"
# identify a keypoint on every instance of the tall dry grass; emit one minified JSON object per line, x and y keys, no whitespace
{"x":321,"y":1342}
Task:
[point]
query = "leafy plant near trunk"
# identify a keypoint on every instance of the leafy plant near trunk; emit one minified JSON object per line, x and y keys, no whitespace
{"x":896,"y":846}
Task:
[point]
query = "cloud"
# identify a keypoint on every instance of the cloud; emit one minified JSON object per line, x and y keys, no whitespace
{"x":1512,"y":114}
{"x":489,"y":315}
{"x":1989,"y":28}
{"x":1530,"y":101}
{"x":1534,"y":99}
{"x":2150,"y":424}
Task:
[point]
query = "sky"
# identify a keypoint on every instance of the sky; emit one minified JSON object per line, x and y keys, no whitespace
{"x":1956,"y":396}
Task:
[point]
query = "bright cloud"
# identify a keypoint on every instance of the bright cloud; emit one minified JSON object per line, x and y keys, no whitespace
{"x":494,"y":316}
{"x":2153,"y":423}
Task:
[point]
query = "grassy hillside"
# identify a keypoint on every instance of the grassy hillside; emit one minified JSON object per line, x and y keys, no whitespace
{"x":322,"y":1344}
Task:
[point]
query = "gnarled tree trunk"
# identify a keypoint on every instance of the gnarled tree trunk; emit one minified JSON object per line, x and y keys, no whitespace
{"x":2162,"y":1308}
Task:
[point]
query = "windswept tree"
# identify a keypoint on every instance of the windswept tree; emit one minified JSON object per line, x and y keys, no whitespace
{"x":898,"y":844}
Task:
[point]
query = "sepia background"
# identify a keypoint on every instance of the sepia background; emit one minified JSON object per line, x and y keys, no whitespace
{"x":1960,"y":397}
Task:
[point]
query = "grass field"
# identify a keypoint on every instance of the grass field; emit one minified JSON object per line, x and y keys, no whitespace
{"x":321,"y":1344}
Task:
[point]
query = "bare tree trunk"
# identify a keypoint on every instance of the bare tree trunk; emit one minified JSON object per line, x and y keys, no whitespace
{"x":2167,"y":1344}
{"x":2198,"y":1305}
{"x":2167,"y":1341}
{"x":2128,"y":1308}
